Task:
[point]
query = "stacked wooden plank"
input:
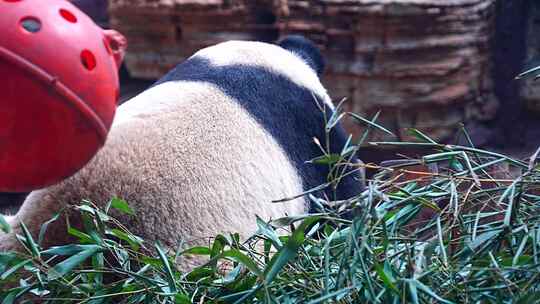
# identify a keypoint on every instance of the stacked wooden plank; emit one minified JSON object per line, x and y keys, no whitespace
{"x":425,"y":63}
{"x":163,"y":33}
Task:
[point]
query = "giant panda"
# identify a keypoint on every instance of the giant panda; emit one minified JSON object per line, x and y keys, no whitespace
{"x":207,"y":147}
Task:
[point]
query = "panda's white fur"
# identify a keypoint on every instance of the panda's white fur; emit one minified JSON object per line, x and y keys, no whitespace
{"x":188,"y":158}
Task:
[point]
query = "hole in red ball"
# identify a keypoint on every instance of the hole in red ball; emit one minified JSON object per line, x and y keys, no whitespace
{"x":31,"y":24}
{"x":68,"y":15}
{"x":114,"y":45}
{"x":88,"y":60}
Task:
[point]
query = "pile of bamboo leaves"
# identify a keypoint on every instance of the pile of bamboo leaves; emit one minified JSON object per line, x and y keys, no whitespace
{"x":460,"y":225}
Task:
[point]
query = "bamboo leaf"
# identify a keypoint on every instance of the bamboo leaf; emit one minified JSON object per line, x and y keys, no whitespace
{"x":68,"y":264}
{"x":122,"y":206}
{"x":243,"y":259}
{"x":29,"y":241}
{"x":166,"y":267}
{"x":289,"y":251}
{"x":371,"y":123}
{"x":44,"y":227}
{"x":4,"y":225}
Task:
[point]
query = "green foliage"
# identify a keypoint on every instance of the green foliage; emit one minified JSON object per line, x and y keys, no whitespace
{"x":479,"y":244}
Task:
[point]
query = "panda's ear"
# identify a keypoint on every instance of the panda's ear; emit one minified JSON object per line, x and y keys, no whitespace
{"x":306,"y":50}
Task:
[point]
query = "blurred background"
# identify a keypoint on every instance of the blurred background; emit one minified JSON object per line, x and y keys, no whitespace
{"x":427,"y":64}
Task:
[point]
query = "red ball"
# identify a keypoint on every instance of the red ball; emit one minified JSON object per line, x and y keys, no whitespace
{"x":58,"y":91}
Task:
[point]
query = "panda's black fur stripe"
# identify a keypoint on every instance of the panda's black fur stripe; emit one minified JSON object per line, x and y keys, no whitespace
{"x":286,"y":110}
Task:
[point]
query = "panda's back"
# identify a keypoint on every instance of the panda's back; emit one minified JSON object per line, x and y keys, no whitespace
{"x":218,"y":140}
{"x":193,"y":158}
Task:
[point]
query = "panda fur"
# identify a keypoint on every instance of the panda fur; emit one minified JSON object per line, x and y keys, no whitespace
{"x":207,"y":148}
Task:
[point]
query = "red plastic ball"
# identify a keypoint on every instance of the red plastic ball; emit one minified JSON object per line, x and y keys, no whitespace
{"x":58,"y":91}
